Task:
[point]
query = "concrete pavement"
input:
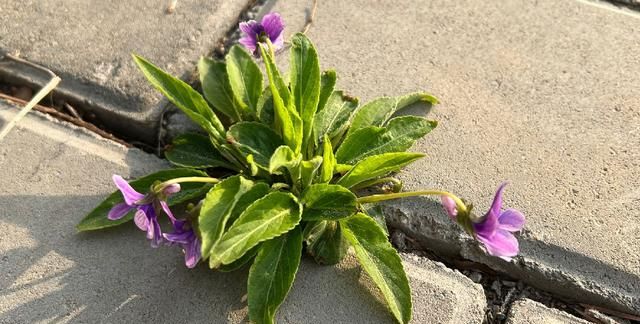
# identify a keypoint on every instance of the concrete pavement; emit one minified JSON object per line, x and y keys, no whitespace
{"x":54,"y":173}
{"x":526,"y":311}
{"x":545,"y":94}
{"x":89,"y":44}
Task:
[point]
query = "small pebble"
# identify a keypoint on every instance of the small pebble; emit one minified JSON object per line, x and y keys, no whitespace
{"x":495,"y":286}
{"x":399,"y":239}
{"x":475,"y":277}
{"x":508,"y":283}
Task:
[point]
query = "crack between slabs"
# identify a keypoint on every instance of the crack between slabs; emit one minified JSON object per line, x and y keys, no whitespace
{"x":502,"y":290}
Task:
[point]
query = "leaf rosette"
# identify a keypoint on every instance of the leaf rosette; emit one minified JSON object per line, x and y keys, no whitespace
{"x":295,"y":156}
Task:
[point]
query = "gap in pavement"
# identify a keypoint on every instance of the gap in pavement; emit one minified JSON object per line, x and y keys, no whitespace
{"x":502,"y":290}
{"x":629,"y":4}
{"x":20,"y":86}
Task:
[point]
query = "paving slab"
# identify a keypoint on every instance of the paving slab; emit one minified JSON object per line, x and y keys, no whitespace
{"x":543,"y":93}
{"x":55,"y":173}
{"x":527,"y":311}
{"x":88,"y":43}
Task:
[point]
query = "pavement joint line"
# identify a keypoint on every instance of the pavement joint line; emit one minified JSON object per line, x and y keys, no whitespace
{"x":30,"y":105}
{"x":614,"y":6}
{"x":513,"y":294}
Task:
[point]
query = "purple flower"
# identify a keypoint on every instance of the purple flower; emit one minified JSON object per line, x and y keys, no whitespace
{"x":146,"y":217}
{"x":495,"y":229}
{"x":449,"y":206}
{"x":271,"y":26}
{"x":184,"y":235}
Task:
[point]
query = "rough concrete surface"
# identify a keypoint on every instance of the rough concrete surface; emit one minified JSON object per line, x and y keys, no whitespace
{"x":89,"y":45}
{"x":53,"y":174}
{"x":526,"y":311}
{"x":543,"y":93}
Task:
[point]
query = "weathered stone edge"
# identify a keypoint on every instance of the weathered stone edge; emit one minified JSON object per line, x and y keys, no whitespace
{"x":541,"y":265}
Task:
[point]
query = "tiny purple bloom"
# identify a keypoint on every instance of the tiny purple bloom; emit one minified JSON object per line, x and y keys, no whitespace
{"x":495,"y":229}
{"x":271,"y":26}
{"x":146,"y":217}
{"x":449,"y":206}
{"x":184,"y":235}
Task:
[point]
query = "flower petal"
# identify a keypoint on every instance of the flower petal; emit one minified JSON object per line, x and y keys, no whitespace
{"x":502,"y":244}
{"x":449,"y":206}
{"x":192,"y":254}
{"x":496,"y":206}
{"x":171,"y":189}
{"x":154,"y":233}
{"x":141,"y":219}
{"x":249,"y":43}
{"x":489,"y":222}
{"x":179,"y":237}
{"x":250,"y":27}
{"x":278,"y":43}
{"x":130,"y":195}
{"x":511,"y":220}
{"x":167,"y":211}
{"x":273,"y":25}
{"x":488,"y":226}
{"x":118,"y":211}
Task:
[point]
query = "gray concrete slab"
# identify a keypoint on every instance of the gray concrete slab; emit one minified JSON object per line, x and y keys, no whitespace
{"x":54,"y":173}
{"x":543,"y":93}
{"x":89,"y":44}
{"x":527,"y":311}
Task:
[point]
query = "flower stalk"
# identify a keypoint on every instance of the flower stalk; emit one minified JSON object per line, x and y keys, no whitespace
{"x":382,"y":197}
{"x":161,"y":186}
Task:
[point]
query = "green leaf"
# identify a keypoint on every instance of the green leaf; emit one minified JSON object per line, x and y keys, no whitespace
{"x":237,"y":264}
{"x":97,"y":218}
{"x":283,"y":157}
{"x":183,"y":96}
{"x":256,"y":139}
{"x":259,"y":190}
{"x":343,"y":168}
{"x":328,"y":161}
{"x":411,"y":98}
{"x":217,"y":208}
{"x":287,"y":121}
{"x":373,"y":113}
{"x":268,"y":217}
{"x":377,"y":166}
{"x":216,"y":88}
{"x":195,"y":151}
{"x":305,"y":83}
{"x":375,"y":211}
{"x":379,"y":111}
{"x":272,"y":274}
{"x":265,"y":107}
{"x":381,"y":261}
{"x":325,"y":242}
{"x":309,"y":171}
{"x":333,"y":120}
{"x":328,"y":202}
{"x":327,"y":83}
{"x":398,"y":136}
{"x":245,"y":78}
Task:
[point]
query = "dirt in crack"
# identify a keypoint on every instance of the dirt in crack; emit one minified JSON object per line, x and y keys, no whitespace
{"x":62,"y":110}
{"x":501,"y":290}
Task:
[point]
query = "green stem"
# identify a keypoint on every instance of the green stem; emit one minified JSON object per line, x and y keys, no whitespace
{"x":271,"y":51}
{"x":159,"y":187}
{"x":397,"y":184}
{"x":381,"y":197}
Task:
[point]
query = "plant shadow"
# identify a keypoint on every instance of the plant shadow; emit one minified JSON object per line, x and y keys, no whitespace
{"x":53,"y":274}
